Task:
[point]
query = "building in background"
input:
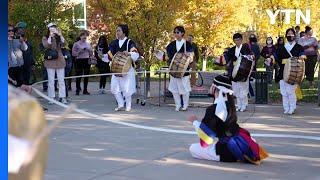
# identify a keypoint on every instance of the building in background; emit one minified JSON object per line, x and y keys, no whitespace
{"x":79,"y":13}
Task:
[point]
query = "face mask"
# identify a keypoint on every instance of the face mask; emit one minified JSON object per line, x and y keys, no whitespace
{"x":290,"y":38}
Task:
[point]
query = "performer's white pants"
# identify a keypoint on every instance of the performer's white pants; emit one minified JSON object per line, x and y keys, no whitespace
{"x":125,"y":85}
{"x":241,"y":90}
{"x":180,"y":86}
{"x":288,"y":92}
{"x":177,"y":100}
{"x":120,"y":100}
{"x":208,"y":153}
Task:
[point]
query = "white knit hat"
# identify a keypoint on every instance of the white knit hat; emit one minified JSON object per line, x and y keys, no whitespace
{"x":51,"y":24}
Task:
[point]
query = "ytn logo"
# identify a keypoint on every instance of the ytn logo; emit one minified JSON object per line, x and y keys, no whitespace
{"x":287,"y":15}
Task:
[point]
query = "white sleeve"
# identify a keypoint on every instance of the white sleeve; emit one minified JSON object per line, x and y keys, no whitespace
{"x":17,"y":152}
{"x":49,"y":40}
{"x":62,"y":39}
{"x":196,"y":124}
{"x":134,"y":56}
{"x":105,"y":58}
{"x":24,"y":46}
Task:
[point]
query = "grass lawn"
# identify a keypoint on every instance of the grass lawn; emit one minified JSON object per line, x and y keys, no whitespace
{"x":310,"y":95}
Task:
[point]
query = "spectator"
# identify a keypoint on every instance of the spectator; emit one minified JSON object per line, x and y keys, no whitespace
{"x":280,"y":43}
{"x":82,"y":50}
{"x":67,"y":70}
{"x":254,"y":46}
{"x":297,"y":31}
{"x":193,"y":65}
{"x":70,"y":45}
{"x":101,"y":53}
{"x":302,"y":34}
{"x":28,"y":58}
{"x":268,"y":53}
{"x":310,"y":46}
{"x":52,"y":42}
{"x":16,"y":46}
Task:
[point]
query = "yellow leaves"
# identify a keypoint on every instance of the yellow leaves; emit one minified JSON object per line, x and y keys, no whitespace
{"x":212,"y":22}
{"x":149,"y":21}
{"x":263,"y":24}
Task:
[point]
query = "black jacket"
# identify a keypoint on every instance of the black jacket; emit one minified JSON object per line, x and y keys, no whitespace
{"x":245,"y":50}
{"x":282,"y":53}
{"x":222,"y":129}
{"x":172,"y":50}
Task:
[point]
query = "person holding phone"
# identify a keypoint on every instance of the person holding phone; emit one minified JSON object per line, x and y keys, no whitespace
{"x":15,"y":55}
{"x":82,"y":51}
{"x":54,"y":61}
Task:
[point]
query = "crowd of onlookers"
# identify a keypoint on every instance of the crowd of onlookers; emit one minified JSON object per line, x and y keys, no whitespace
{"x":60,"y":60}
{"x":268,"y":53}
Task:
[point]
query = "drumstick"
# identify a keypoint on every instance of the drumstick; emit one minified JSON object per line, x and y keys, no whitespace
{"x":110,"y":54}
{"x":44,"y":133}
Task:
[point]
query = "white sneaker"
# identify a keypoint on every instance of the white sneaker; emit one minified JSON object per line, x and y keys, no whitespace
{"x":103,"y":91}
{"x":119,"y":109}
{"x":50,"y":102}
{"x":100,"y":91}
{"x":238,"y":107}
{"x":177,"y":109}
{"x":184,"y":109}
{"x":291,"y":111}
{"x":286,"y":111}
{"x":64,"y":101}
{"x":128,"y":109}
{"x":244,"y":108}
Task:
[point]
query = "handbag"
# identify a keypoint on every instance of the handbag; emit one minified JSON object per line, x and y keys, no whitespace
{"x":50,"y":54}
{"x":92,"y":60}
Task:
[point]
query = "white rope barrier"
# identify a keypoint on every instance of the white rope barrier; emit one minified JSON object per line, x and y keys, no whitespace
{"x":109,"y":74}
{"x":88,"y":114}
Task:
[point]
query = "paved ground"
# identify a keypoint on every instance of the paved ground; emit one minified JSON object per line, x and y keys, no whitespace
{"x":89,"y":149}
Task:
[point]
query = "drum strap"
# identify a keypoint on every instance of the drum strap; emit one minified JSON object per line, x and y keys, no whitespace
{"x":290,"y":53}
{"x":288,"y":50}
{"x":128,"y":45}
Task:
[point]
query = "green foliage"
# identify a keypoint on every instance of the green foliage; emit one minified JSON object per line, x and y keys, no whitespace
{"x":37,"y":14}
{"x":150,"y":21}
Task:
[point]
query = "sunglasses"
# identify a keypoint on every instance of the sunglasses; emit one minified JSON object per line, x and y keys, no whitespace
{"x":10,"y":30}
{"x":176,"y":32}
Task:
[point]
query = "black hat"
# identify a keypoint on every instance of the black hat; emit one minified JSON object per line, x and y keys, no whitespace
{"x":222,"y":80}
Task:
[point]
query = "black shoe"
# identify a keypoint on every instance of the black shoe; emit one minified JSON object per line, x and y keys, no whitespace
{"x":77,"y":93}
{"x":86,"y":93}
{"x":44,"y":108}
